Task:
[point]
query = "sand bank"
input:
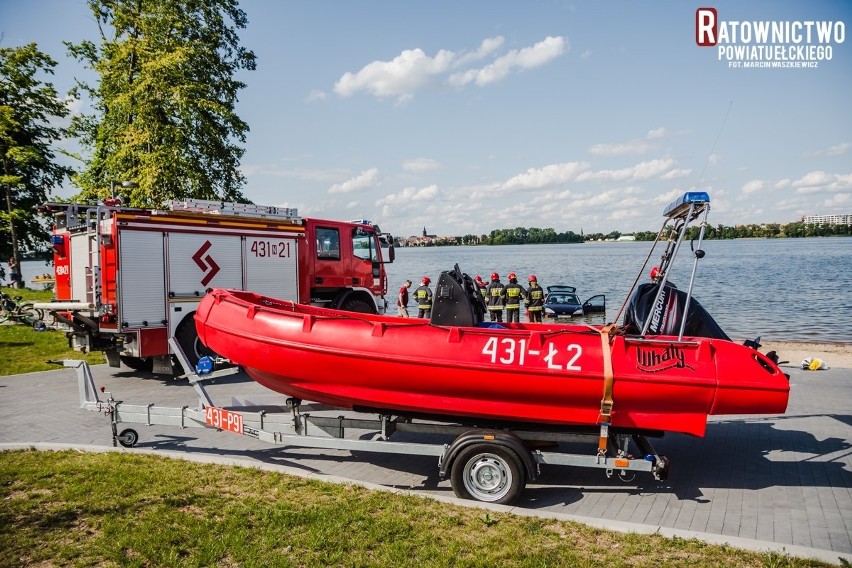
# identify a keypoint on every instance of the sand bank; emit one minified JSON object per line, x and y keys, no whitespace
{"x":836,"y":355}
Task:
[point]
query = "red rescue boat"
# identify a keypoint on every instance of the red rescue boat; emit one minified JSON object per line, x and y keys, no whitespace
{"x":520,"y":373}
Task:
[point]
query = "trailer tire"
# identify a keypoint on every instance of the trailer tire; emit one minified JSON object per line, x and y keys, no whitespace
{"x":128,"y":438}
{"x":144,"y":364}
{"x":489,"y":473}
{"x":187,"y":337}
{"x":357,"y":305}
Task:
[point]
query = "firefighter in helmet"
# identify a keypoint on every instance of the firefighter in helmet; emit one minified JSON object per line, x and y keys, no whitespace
{"x":423,"y":297}
{"x":535,"y":300}
{"x":495,"y":297}
{"x":514,"y":294}
{"x":480,"y":285}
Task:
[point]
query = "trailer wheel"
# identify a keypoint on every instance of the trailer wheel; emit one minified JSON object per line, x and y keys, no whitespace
{"x":187,"y":337}
{"x":357,"y":305}
{"x":488,"y":472}
{"x":128,"y":438}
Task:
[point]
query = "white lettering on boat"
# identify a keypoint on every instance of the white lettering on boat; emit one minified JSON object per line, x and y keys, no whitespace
{"x":511,"y":351}
{"x":658,"y":311}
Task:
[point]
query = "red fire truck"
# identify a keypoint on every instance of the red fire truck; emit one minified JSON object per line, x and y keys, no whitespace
{"x":129,"y":279}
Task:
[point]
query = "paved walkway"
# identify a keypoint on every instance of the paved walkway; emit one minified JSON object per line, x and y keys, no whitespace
{"x":765,"y":483}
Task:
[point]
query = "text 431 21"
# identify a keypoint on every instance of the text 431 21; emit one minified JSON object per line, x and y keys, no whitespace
{"x":262,"y":249}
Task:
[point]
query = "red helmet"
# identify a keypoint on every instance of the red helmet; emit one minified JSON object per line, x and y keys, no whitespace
{"x":425,"y":281}
{"x":512,"y":276}
{"x":533,"y":278}
{"x":495,"y":276}
{"x":478,"y":278}
{"x":655,"y":272}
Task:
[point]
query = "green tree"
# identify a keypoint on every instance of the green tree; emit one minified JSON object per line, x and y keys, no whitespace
{"x":165,"y":103}
{"x":29,"y":109}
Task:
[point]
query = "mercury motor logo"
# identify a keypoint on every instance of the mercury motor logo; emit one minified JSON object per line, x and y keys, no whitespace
{"x":206,"y":264}
{"x":768,"y":44}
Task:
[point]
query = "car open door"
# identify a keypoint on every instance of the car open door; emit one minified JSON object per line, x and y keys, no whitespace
{"x":595,"y":304}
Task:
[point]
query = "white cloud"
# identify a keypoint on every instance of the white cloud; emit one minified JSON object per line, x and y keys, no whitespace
{"x":668,"y":197}
{"x":620,"y":149}
{"x":839,"y":149}
{"x":420,"y":165}
{"x":486,"y":48}
{"x":407,"y":199}
{"x":553,"y":174}
{"x":315,"y":95}
{"x":838,"y":200}
{"x":656,"y":134}
{"x":752,"y":186}
{"x":365,"y":179}
{"x":811,"y":179}
{"x":637,"y":146}
{"x":836,"y":150}
{"x":411,"y":70}
{"x":612,"y":198}
{"x":400,"y":77}
{"x":641,"y":171}
{"x":676,"y":174}
{"x":527,"y":58}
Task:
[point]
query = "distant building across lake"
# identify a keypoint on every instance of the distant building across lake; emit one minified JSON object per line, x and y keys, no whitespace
{"x":827,"y":219}
{"x":424,"y":240}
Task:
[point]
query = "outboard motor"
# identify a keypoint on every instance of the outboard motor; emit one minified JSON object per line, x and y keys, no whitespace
{"x":457,"y":300}
{"x":666,"y":315}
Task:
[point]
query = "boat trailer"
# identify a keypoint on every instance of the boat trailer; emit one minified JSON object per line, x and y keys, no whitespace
{"x":490,"y":464}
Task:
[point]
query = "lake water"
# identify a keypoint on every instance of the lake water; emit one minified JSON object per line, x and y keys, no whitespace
{"x":782,"y":289}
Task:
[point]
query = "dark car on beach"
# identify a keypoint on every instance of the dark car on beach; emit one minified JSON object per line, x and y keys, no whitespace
{"x":562,"y":302}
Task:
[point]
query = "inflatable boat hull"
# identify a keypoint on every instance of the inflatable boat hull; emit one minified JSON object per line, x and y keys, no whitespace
{"x":531,"y":373}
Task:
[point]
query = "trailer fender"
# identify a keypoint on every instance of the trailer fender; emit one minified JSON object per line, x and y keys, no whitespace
{"x":483,"y":436}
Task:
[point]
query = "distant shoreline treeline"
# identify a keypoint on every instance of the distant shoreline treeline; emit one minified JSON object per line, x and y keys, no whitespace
{"x":531,"y":236}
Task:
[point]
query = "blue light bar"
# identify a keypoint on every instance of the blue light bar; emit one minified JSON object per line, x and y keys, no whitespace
{"x":681,"y":205}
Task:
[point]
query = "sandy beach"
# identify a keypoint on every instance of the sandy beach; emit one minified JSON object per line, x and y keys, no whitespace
{"x":835,"y":355}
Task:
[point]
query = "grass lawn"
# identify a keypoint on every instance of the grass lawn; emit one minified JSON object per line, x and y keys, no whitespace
{"x":25,"y":351}
{"x":119,"y":509}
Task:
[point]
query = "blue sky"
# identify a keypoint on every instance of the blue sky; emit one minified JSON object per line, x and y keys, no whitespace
{"x":471,"y":116}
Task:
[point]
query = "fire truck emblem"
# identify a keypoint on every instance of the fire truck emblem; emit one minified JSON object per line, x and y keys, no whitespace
{"x":206,"y":264}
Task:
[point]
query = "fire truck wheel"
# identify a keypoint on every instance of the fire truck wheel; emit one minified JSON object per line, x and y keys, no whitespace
{"x":187,"y":337}
{"x":357,"y":305}
{"x":144,"y":364}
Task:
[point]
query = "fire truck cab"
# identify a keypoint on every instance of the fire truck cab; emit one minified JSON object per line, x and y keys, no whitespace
{"x":129,"y":279}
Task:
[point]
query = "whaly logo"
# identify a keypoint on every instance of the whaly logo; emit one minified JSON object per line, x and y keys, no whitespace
{"x":209,"y":265}
{"x":655,"y":360}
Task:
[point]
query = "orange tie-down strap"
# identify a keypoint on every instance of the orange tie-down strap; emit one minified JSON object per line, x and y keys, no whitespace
{"x":606,"y":402}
